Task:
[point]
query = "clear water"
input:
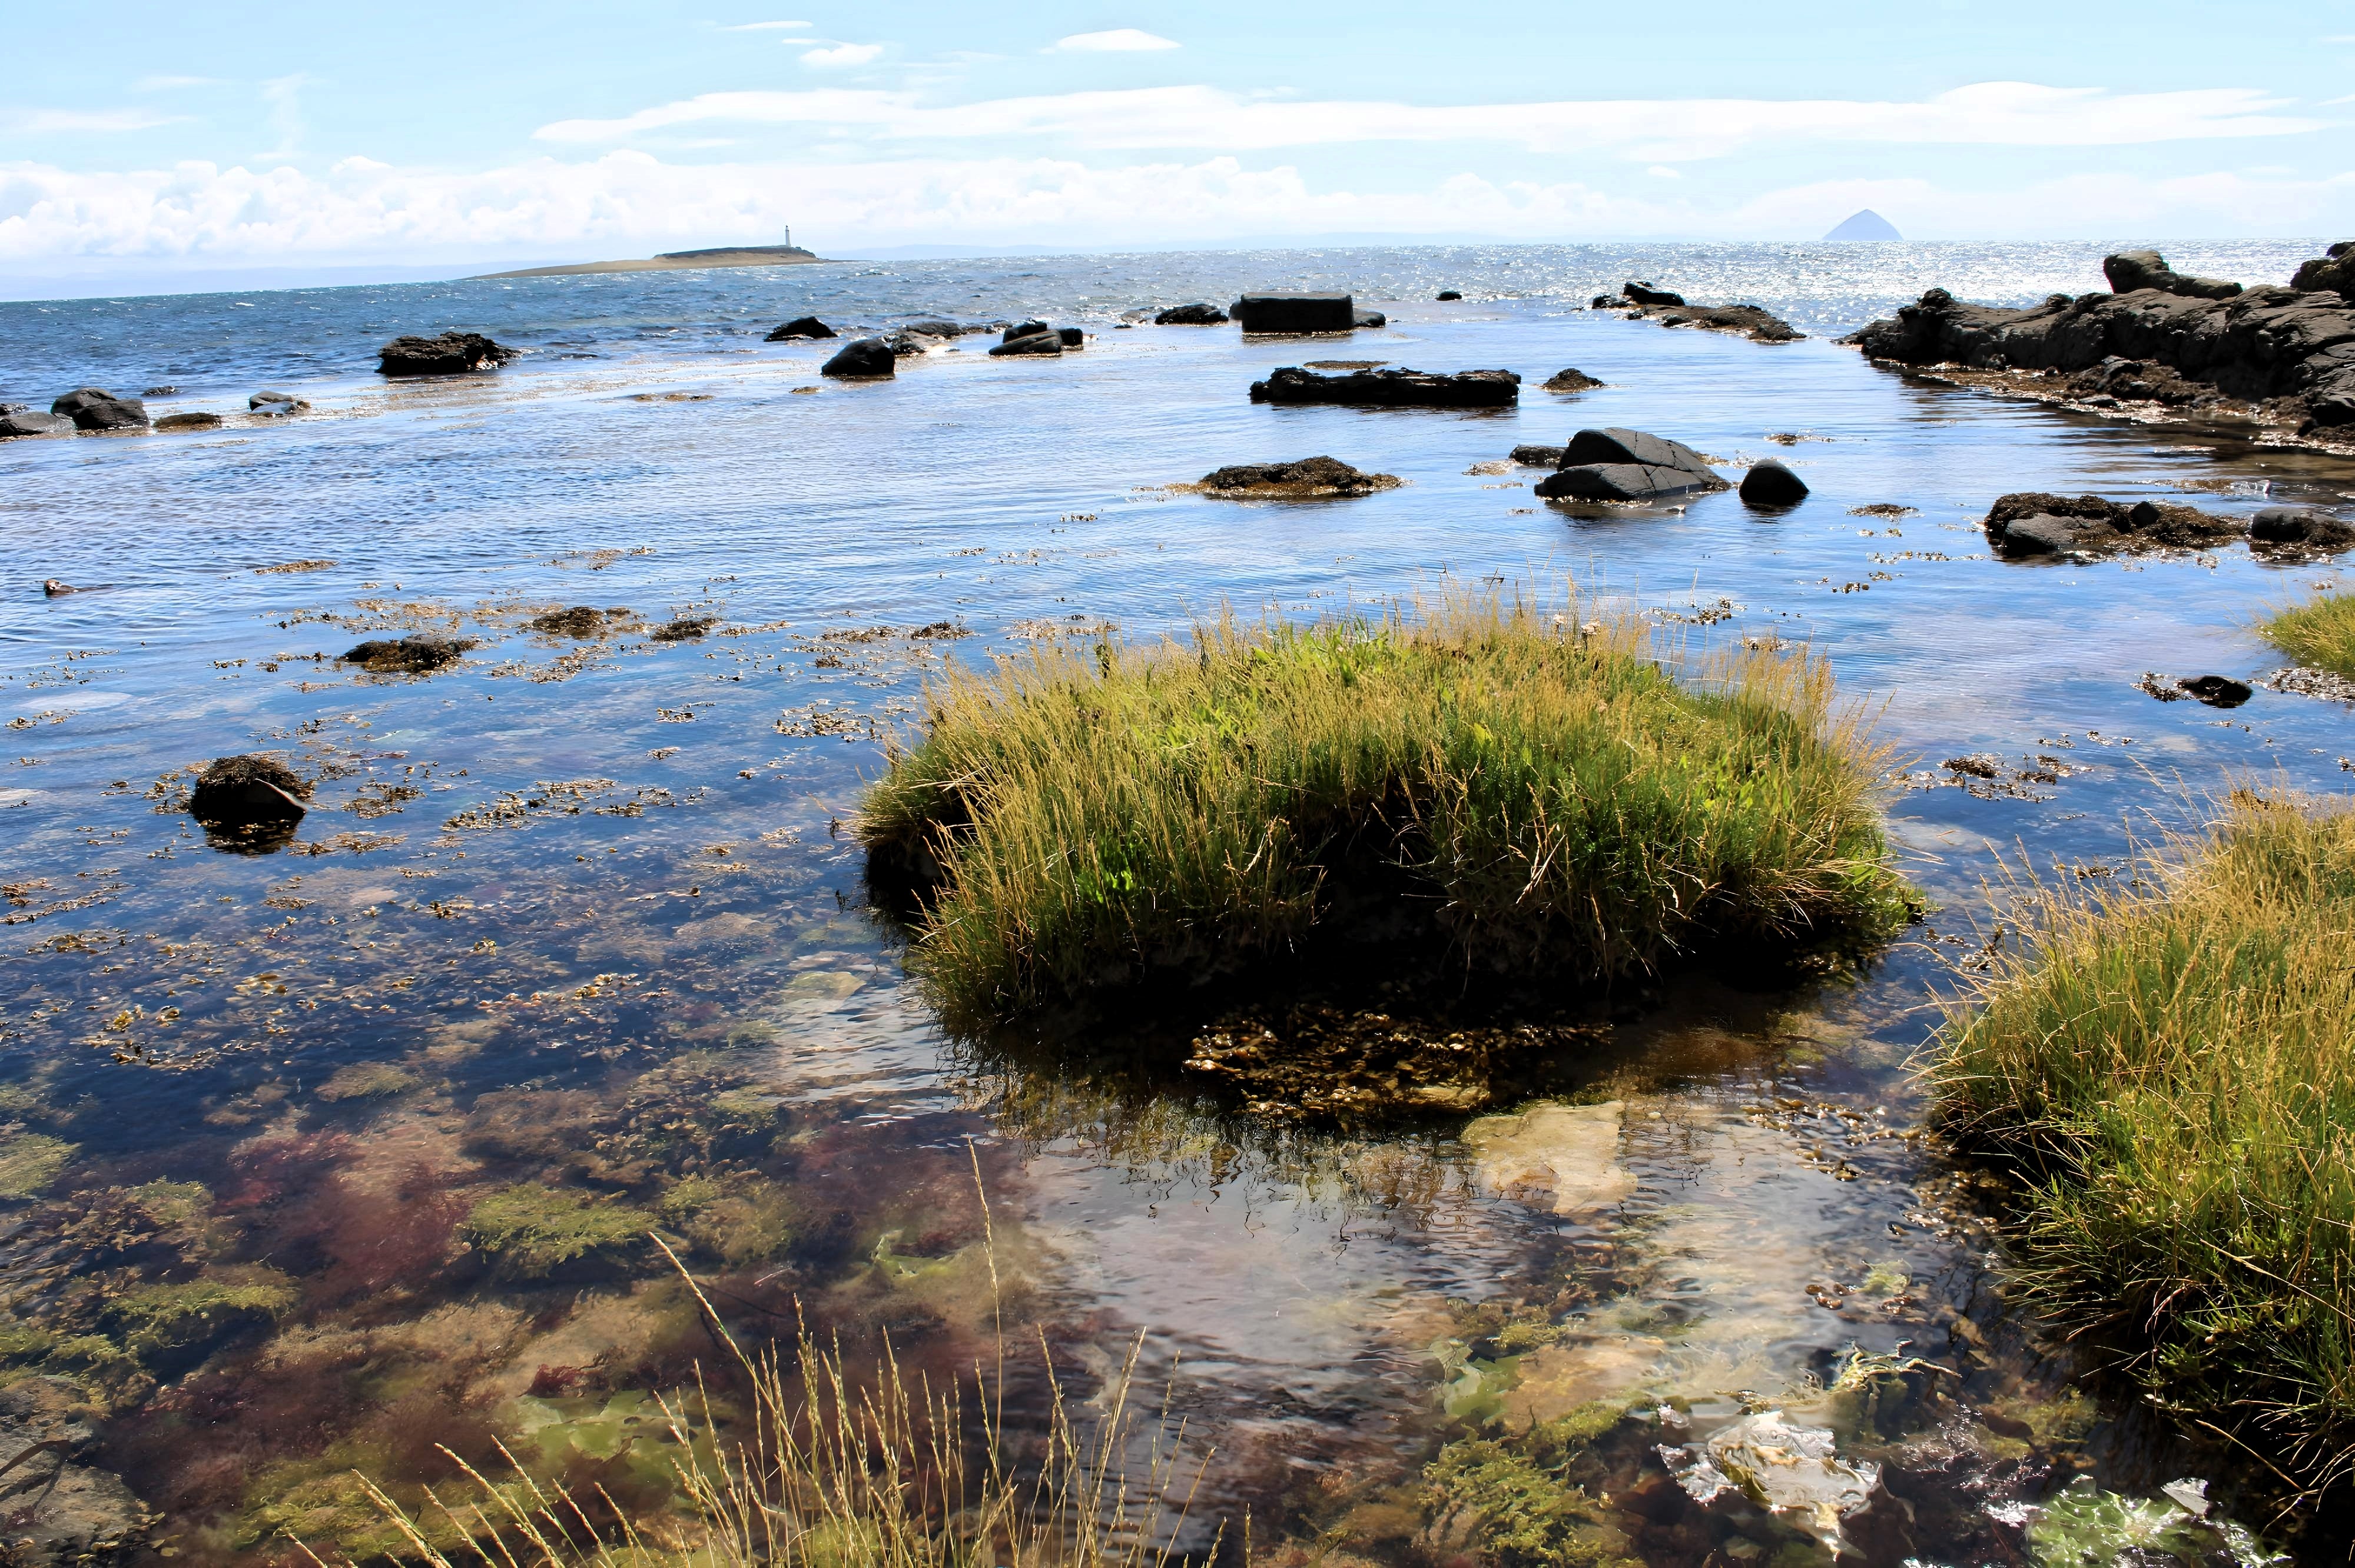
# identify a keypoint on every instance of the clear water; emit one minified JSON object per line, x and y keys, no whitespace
{"x":575,"y":922}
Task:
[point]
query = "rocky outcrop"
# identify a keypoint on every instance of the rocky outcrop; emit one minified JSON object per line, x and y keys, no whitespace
{"x":1295,"y":314}
{"x":95,"y":409}
{"x":2289,"y":352}
{"x":2131,"y":269}
{"x":1317,"y":476}
{"x":2297,"y":526}
{"x":863,"y":359}
{"x":1570,"y":379}
{"x":800,"y":326}
{"x":2035,"y":522}
{"x":1624,"y":465}
{"x":1645,"y":294}
{"x":417,"y":655}
{"x":1199,"y":314}
{"x":1772,"y":483}
{"x":2334,"y":271}
{"x":26,"y":422}
{"x":1643,"y":302}
{"x":1393,"y":388}
{"x":447,"y":354}
{"x":236,"y":791}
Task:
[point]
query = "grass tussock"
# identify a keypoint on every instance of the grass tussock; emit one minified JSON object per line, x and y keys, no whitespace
{"x":2177,"y":1072}
{"x":2320,"y":633}
{"x":1540,"y":792}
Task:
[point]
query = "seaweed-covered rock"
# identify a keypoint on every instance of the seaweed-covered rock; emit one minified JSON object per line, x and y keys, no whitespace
{"x":864,"y":359}
{"x":2334,"y":269}
{"x":1199,"y":314}
{"x":2035,"y":523}
{"x":414,"y":655}
{"x":1772,"y":483}
{"x":1312,"y":476}
{"x":2131,"y":269}
{"x":1752,"y":322}
{"x":1392,"y":389}
{"x":1570,"y":379}
{"x":1314,"y":1064}
{"x":95,"y":409}
{"x":800,"y":326}
{"x":683,"y":628}
{"x":238,"y":790}
{"x":1616,"y":464}
{"x":448,"y":354}
{"x":577,"y":620}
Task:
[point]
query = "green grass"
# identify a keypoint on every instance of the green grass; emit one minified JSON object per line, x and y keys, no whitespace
{"x":2177,"y":1073}
{"x":1541,"y":794}
{"x":2320,"y":633}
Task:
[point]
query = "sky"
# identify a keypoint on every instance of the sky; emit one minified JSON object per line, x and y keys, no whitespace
{"x":166,"y":145}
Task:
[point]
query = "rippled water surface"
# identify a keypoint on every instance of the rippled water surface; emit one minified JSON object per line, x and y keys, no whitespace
{"x":317,"y":1158}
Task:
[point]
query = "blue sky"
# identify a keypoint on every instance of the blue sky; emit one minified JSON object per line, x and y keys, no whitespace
{"x":169,"y":141}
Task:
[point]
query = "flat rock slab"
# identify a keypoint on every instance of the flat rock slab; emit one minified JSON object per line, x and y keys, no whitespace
{"x":30,"y":423}
{"x":1399,"y":389}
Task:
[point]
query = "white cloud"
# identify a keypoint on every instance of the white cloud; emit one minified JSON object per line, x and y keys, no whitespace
{"x":1118,"y":41}
{"x":1996,"y":113}
{"x":843,"y":55}
{"x":36,"y":121}
{"x":762,"y":27}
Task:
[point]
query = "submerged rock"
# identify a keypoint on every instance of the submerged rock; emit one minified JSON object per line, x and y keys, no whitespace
{"x":800,"y":326}
{"x":448,"y":353}
{"x":1782,"y":1468}
{"x":1307,"y":477}
{"x":235,"y":791}
{"x":1039,"y":338}
{"x":1617,"y":464}
{"x":1322,"y":1064}
{"x":414,"y":655}
{"x":95,"y":409}
{"x":2132,"y":269}
{"x":1772,"y":483}
{"x":1284,"y":313}
{"x":1570,"y":379}
{"x":1392,"y":389}
{"x":59,"y":1512}
{"x":25,"y":422}
{"x":865,"y":359}
{"x":1200,"y":313}
{"x":1563,"y":1158}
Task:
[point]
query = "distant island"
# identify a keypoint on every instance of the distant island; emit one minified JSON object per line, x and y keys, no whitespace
{"x":673,"y":261}
{"x":1865,"y":225}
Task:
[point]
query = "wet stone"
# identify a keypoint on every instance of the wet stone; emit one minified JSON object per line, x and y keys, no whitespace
{"x":237,"y":791}
{"x":417,"y":655}
{"x":1312,"y":476}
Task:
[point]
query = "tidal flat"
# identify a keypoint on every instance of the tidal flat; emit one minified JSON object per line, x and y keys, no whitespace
{"x":341,"y":1159}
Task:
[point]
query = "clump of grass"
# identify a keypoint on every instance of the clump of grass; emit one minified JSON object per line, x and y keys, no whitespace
{"x":2176,"y":1071}
{"x":1540,"y":792}
{"x":2320,"y":633}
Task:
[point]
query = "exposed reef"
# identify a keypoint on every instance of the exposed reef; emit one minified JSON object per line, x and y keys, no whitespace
{"x":1643,"y":302}
{"x":1399,"y":389}
{"x":1308,"y":478}
{"x":2034,"y":523}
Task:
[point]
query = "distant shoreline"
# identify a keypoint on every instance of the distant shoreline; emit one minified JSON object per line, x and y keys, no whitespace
{"x":672,"y":261}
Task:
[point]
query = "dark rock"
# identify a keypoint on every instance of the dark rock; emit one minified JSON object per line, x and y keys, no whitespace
{"x":800,"y":326}
{"x":413,"y":655}
{"x":189,"y":422}
{"x":1369,"y":319}
{"x":94,"y":408}
{"x":2039,"y":535}
{"x":1537,"y":457}
{"x":1750,"y":321}
{"x":2216,"y":690}
{"x":276,"y":405}
{"x":1024,"y":329}
{"x":56,"y":589}
{"x":1570,"y":380}
{"x":2334,"y":269}
{"x":2131,"y":269}
{"x":1398,"y":388}
{"x":2300,"y":525}
{"x":935,"y":327}
{"x":579,"y":621}
{"x":60,"y":1511}
{"x":1045,"y":341}
{"x":1772,"y":483}
{"x":448,"y":353}
{"x":865,"y":359}
{"x":237,"y":791}
{"x":1200,"y":313}
{"x":1446,"y":295}
{"x":1072,"y":337}
{"x":160,"y":392}
{"x":2092,"y":524}
{"x":1286,"y":312}
{"x":29,"y":423}
{"x":1610,"y":302}
{"x":1617,"y":464}
{"x":16,"y":408}
{"x":904,"y":345}
{"x":1645,"y":294}
{"x":1308,"y":476}
{"x":683,"y":628}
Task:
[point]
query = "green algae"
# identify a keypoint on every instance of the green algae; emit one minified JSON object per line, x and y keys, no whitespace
{"x":1521,"y":1513}
{"x":368,"y":1081}
{"x":166,"y":1317}
{"x":29,"y":1161}
{"x":533,"y":1228}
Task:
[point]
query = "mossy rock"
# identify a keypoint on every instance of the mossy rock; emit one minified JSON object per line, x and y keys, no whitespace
{"x":532,"y":1228}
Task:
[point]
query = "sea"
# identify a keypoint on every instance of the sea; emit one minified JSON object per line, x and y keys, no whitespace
{"x":333,"y":1168}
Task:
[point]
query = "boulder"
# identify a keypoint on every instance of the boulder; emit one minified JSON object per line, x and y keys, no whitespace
{"x":863,"y":359}
{"x":413,"y":655}
{"x":1308,"y":476}
{"x":1023,"y":328}
{"x":237,"y":791}
{"x":1399,"y":389}
{"x":2131,"y":269}
{"x":1199,"y":314}
{"x":1044,"y":341}
{"x":1772,"y":483}
{"x":1537,"y":457}
{"x":1645,"y":294}
{"x":2039,"y":533}
{"x":800,"y":326}
{"x":95,"y":409}
{"x":1290,"y":312}
{"x":189,"y":422}
{"x":276,"y":405}
{"x":1570,"y":379}
{"x":2333,"y":270}
{"x":1072,"y":337}
{"x":1617,"y":464}
{"x":448,"y":353}
{"x":1446,"y":295}
{"x":1369,"y":319}
{"x":2300,"y":525}
{"x":29,"y":423}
